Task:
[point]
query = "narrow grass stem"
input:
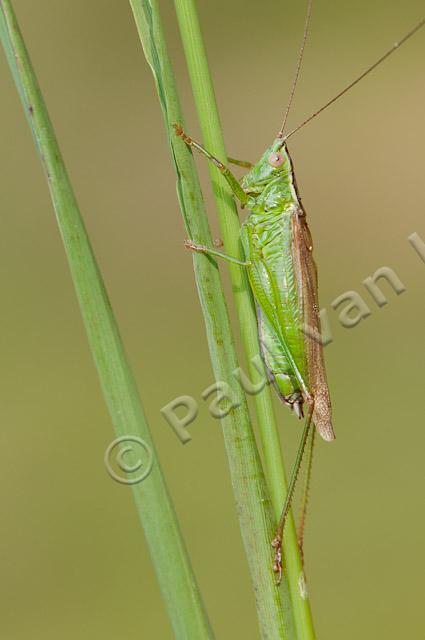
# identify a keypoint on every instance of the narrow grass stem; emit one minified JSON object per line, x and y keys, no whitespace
{"x":154,"y":506}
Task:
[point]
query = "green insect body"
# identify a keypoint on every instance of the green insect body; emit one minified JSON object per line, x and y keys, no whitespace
{"x":278,"y":249}
{"x":278,"y":257}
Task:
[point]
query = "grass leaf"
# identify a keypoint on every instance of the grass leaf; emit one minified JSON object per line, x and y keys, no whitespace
{"x":155,"y":509}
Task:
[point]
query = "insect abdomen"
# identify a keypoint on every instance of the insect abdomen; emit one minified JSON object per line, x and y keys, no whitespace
{"x":267,"y":243}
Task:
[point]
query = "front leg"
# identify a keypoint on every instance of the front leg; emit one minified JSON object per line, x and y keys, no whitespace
{"x":231,"y":179}
{"x":200,"y":248}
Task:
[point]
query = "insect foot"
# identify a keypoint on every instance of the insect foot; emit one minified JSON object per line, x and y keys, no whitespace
{"x":200,"y":248}
{"x":277,"y":564}
{"x":178,"y":128}
{"x":180,"y":132}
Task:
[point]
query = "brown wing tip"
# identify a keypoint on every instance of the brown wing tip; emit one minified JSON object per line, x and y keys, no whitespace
{"x":326,"y":431}
{"x":323,"y":422}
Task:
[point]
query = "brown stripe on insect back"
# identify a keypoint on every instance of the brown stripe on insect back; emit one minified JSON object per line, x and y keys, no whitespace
{"x":307,"y":282}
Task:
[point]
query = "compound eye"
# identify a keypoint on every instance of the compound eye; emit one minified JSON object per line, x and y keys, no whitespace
{"x":276,"y":159}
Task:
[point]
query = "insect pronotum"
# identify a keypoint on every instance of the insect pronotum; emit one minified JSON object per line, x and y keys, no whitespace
{"x":277,"y":248}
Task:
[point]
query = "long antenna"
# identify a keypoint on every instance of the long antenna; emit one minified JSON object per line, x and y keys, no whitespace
{"x":297,"y":72}
{"x":395,"y":46}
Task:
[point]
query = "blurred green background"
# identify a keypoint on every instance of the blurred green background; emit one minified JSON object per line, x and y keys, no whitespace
{"x":73,"y":559}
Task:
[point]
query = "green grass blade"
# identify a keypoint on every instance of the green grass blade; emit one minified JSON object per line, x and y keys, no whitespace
{"x":154,"y":506}
{"x":246,"y":472}
{"x":229,"y":224}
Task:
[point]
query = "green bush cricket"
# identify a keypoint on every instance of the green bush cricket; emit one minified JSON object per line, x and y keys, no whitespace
{"x":277,"y":248}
